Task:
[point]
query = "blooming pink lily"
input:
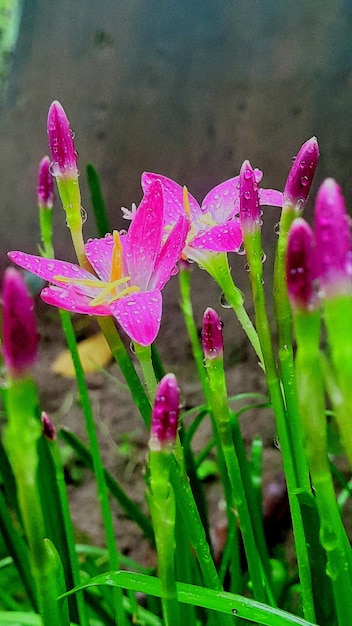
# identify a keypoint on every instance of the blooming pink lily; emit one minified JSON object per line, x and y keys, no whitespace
{"x":131,"y":270}
{"x":215,"y":226}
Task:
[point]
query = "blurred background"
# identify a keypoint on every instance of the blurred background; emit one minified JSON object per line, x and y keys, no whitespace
{"x":187,"y":88}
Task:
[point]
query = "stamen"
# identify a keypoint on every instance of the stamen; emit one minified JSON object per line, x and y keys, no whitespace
{"x":186,"y":201}
{"x":124,"y":292}
{"x":116,"y":261}
{"x":108,"y":289}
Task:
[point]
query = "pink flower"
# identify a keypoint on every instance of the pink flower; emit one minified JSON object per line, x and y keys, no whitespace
{"x":215,"y":226}
{"x":61,"y":142}
{"x":131,"y":271}
{"x":45,"y":192}
{"x":333,"y":239}
{"x":19,"y":333}
{"x":165,"y":414}
{"x":301,"y":267}
{"x":249,"y":199}
{"x":301,"y":176}
{"x":212,"y":339}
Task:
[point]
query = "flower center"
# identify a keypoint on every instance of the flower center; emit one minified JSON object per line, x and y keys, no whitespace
{"x":109,"y":290}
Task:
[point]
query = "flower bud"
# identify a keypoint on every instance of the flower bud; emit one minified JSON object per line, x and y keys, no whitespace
{"x":20,"y":337}
{"x":213,"y":345}
{"x":333,"y":239}
{"x":61,"y":143}
{"x":48,"y":427}
{"x":302,"y":172}
{"x":301,"y":266}
{"x":249,"y":199}
{"x":165,"y":414}
{"x":45,"y":191}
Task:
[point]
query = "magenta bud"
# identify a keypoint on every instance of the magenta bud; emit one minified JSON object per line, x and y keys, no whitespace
{"x":45,"y":189}
{"x":61,"y":143}
{"x":49,"y":430}
{"x":333,"y":239}
{"x":301,"y":266}
{"x":249,"y":199}
{"x":165,"y":414}
{"x":20,"y":337}
{"x":302,"y":172}
{"x":213,"y":344}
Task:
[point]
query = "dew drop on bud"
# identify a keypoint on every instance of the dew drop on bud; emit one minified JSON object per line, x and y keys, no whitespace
{"x":304,"y":181}
{"x":84,"y":215}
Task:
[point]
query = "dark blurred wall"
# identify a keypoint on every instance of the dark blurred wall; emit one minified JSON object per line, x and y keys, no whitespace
{"x":186,"y":88}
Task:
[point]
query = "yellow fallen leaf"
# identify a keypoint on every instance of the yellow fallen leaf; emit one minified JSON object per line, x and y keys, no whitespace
{"x":94,"y":353}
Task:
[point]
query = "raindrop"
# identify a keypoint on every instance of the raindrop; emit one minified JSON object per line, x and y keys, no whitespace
{"x":304,"y":181}
{"x":277,"y":228}
{"x":302,"y":164}
{"x":84,"y":215}
{"x":247,"y":195}
{"x":123,"y":231}
{"x":73,"y":133}
{"x":50,"y":267}
{"x":234,"y":611}
{"x":247,"y":174}
{"x":241,"y":251}
{"x":294,"y":158}
{"x":263,"y":257}
{"x":276,"y":442}
{"x":247,"y":267}
{"x":53,"y":168}
{"x":223,"y":302}
{"x":132,"y":348}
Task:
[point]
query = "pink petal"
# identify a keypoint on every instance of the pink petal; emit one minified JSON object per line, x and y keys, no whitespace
{"x":143,"y":240}
{"x":173,"y":197}
{"x":222,"y":238}
{"x":139,"y":314}
{"x":99,"y":253}
{"x":49,"y":268}
{"x":170,"y":254}
{"x":270,"y":197}
{"x":222,"y":202}
{"x":68,"y":299}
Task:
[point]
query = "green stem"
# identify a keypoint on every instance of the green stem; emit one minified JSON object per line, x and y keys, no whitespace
{"x":187,"y":310}
{"x":312,"y":403}
{"x":21,"y":440}
{"x":254,"y":255}
{"x":132,"y":379}
{"x":218,"y":267}
{"x":144,"y":356}
{"x":285,"y":351}
{"x":220,"y":408}
{"x":46,"y":222}
{"x":114,"y":558}
{"x":163,"y":510}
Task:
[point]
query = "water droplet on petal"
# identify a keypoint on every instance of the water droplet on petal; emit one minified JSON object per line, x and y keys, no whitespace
{"x":304,"y":181}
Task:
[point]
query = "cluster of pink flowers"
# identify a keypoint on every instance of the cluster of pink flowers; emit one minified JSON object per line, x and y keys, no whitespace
{"x":130,"y":270}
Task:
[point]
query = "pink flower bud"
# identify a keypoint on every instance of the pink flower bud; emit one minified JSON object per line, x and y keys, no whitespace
{"x":165,"y":414}
{"x":45,"y":191}
{"x":213,"y":345}
{"x":49,"y":430}
{"x":20,"y":337}
{"x":301,"y":266}
{"x":333,"y":239}
{"x":302,"y":172}
{"x":249,"y":199}
{"x":61,"y":143}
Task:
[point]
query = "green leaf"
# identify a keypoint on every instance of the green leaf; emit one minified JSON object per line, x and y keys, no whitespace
{"x":221,"y":601}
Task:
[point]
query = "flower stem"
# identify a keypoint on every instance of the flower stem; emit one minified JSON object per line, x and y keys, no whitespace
{"x":218,"y":267}
{"x":114,"y":557}
{"x":254,"y":253}
{"x":21,"y":439}
{"x":144,"y":356}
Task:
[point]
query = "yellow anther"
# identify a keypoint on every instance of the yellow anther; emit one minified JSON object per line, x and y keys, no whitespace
{"x":108,"y":290}
{"x":116,"y":260}
{"x":186,"y":201}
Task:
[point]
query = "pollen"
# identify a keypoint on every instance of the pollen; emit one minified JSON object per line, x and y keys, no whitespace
{"x":116,"y":260}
